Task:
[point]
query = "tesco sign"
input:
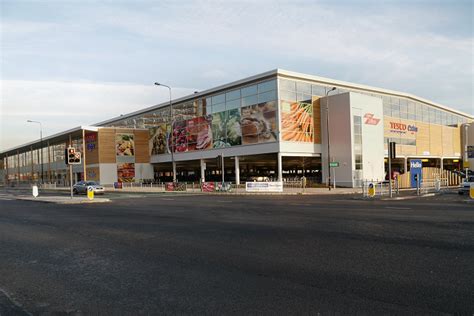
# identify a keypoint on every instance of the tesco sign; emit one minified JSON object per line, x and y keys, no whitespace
{"x":402,"y":128}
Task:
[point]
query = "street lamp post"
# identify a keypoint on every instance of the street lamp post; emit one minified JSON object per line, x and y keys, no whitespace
{"x":327,"y":130}
{"x":172,"y":138}
{"x":41,"y":146}
{"x":466,"y":147}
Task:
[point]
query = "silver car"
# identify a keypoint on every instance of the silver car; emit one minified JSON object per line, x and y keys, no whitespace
{"x":81,"y":187}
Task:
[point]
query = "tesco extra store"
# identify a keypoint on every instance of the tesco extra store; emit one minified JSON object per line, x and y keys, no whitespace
{"x":268,"y":127}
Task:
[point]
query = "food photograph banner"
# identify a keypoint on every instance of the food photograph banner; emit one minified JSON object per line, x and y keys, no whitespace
{"x":124,"y":145}
{"x":297,"y":122}
{"x":126,"y":172}
{"x":259,"y":123}
{"x":159,"y":138}
{"x":249,"y":125}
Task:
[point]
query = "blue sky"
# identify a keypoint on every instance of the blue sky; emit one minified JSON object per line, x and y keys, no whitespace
{"x":69,"y":63}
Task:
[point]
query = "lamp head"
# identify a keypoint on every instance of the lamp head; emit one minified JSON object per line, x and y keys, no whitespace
{"x":157,"y":84}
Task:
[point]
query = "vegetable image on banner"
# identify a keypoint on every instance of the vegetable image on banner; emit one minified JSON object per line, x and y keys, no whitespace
{"x":218,"y":130}
{"x":158,"y":142}
{"x":297,"y":121}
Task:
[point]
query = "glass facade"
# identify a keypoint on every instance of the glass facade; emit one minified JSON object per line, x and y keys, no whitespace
{"x":234,"y":117}
{"x":357,"y":141}
{"x":251,"y":113}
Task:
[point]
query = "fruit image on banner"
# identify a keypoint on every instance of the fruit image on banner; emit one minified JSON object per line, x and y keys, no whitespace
{"x":297,"y":122}
{"x":180,"y":136}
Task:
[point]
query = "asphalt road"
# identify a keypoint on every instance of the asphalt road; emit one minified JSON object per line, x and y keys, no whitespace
{"x":167,"y":254}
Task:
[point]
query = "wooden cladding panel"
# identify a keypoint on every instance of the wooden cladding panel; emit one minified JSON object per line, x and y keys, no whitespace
{"x":142,"y":153}
{"x":436,"y":147}
{"x":317,"y":120}
{"x":457,"y":140}
{"x":107,"y":145}
{"x":423,"y":138}
{"x":447,"y":142}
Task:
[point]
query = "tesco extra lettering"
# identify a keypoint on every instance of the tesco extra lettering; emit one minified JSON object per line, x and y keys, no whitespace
{"x":402,"y":128}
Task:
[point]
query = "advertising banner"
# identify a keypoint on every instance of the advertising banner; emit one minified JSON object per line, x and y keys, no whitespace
{"x":208,"y":187}
{"x":264,"y":186}
{"x":126,"y":172}
{"x":297,"y":121}
{"x":259,"y":123}
{"x":416,"y":166}
{"x":124,"y":145}
{"x":159,"y":139}
{"x":169,"y":186}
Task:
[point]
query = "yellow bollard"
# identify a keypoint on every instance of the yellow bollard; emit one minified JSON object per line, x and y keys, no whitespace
{"x":471,"y":190}
{"x":90,"y":193}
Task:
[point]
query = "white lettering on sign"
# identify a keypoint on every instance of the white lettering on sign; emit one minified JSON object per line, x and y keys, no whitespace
{"x":415,"y":164}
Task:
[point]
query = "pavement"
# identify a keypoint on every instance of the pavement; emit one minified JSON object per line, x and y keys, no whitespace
{"x":145,"y":254}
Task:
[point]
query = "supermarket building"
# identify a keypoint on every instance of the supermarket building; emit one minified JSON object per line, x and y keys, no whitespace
{"x":269,"y":127}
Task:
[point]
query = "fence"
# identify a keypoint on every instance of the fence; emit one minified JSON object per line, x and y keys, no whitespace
{"x":452,"y":178}
{"x":382,"y":188}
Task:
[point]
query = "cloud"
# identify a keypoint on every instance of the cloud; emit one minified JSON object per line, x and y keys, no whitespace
{"x":62,"y":105}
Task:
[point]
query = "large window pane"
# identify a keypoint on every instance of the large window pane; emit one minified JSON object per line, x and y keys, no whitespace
{"x":267,"y":86}
{"x":249,"y":100}
{"x":303,"y":87}
{"x":287,"y":95}
{"x":234,"y":104}
{"x":287,"y":85}
{"x":267,"y":96}
{"x":220,"y":98}
{"x":250,"y":90}
{"x":318,"y":90}
{"x":232,"y":95}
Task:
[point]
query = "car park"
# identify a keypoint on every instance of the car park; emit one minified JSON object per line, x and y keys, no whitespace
{"x":82,"y":186}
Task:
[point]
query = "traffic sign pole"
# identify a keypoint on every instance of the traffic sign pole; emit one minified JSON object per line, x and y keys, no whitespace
{"x":70,"y":179}
{"x":389,"y":168}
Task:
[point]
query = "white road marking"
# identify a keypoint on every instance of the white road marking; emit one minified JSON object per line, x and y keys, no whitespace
{"x":398,"y":208}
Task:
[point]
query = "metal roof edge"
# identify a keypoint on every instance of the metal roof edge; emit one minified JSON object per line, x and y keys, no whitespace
{"x":346,"y":84}
{"x":72,"y":130}
{"x":192,"y":96}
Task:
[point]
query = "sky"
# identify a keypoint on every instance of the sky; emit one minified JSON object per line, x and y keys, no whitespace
{"x":70,"y":63}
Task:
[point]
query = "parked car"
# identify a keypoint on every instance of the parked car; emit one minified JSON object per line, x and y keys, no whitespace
{"x":81,"y":187}
{"x":465,"y":186}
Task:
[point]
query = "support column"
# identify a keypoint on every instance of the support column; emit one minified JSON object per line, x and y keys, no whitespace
{"x":237,"y":170}
{"x":405,"y":164}
{"x":49,"y":163}
{"x":84,"y":170}
{"x":280,"y":167}
{"x":203,"y":170}
{"x":18,"y":166}
{"x":174,"y":170}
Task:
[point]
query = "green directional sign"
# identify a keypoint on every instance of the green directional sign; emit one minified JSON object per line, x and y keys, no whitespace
{"x":334,"y":164}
